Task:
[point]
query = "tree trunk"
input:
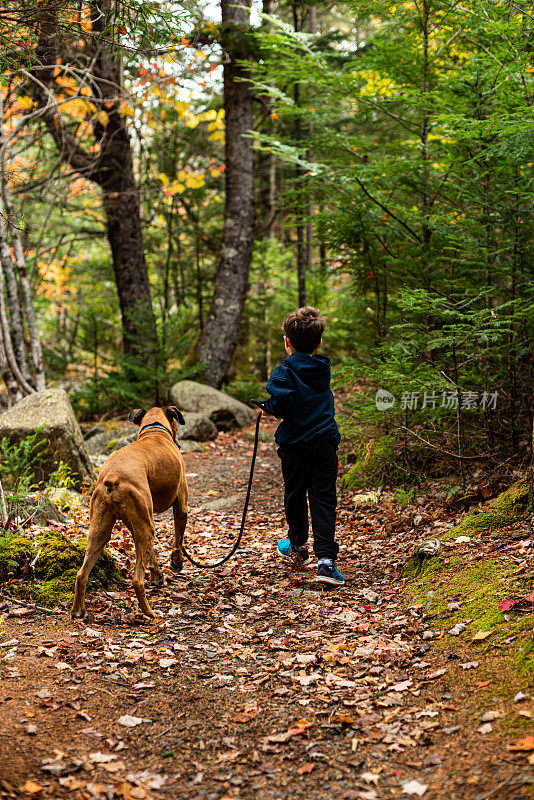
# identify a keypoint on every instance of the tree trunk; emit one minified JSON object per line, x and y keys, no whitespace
{"x":25,"y":289}
{"x":111,"y":167}
{"x":299,"y":188}
{"x":3,"y":509}
{"x":221,"y":330}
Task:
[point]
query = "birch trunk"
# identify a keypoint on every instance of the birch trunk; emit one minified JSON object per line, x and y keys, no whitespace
{"x":31,"y":324}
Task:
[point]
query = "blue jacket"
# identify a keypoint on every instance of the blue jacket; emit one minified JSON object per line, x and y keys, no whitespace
{"x":301,"y":398}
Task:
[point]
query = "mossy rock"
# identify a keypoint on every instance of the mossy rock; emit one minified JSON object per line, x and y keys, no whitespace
{"x":509,"y":507}
{"x":65,"y":499}
{"x":58,"y":562}
{"x":15,"y":555}
{"x":59,"y":555}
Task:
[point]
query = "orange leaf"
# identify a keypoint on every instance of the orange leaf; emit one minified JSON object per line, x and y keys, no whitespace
{"x":305,"y":768}
{"x":523,"y":744}
{"x":30,"y":787}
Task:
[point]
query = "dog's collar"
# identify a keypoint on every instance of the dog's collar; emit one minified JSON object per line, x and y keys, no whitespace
{"x":161,"y":427}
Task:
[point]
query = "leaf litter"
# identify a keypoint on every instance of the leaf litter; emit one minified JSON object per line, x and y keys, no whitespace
{"x":251,"y":680}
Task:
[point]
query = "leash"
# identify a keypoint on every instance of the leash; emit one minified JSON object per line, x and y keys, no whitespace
{"x":245,"y":508}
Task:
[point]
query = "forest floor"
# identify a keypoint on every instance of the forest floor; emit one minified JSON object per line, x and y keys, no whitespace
{"x":253,"y":682}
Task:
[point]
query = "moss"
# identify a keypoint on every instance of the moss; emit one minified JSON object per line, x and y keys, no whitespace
{"x":509,"y":507}
{"x":417,"y":567}
{"x":56,"y":567}
{"x":15,"y":554}
{"x":479,"y":587}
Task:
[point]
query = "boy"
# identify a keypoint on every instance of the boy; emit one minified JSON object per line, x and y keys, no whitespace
{"x":307,"y":440}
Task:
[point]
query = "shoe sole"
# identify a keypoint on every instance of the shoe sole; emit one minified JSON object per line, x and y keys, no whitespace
{"x":292,"y":558}
{"x":329,"y":581}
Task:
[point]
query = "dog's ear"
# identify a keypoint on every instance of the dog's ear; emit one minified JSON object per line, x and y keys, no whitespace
{"x":171,"y":412}
{"x":136,"y":415}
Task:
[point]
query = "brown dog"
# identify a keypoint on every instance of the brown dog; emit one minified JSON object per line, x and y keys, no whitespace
{"x":146,"y":476}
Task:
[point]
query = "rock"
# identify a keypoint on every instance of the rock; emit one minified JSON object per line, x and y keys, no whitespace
{"x":52,"y":410}
{"x":189,"y":446}
{"x":65,"y":499}
{"x":119,"y":442}
{"x":429,"y":549}
{"x":224,"y":502}
{"x":198,"y":427}
{"x":225,"y":411}
{"x":100,"y":440}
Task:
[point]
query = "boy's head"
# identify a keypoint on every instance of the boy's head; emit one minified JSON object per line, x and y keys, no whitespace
{"x":304,"y":328}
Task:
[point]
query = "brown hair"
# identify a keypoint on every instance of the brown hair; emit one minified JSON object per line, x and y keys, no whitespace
{"x":304,"y":327}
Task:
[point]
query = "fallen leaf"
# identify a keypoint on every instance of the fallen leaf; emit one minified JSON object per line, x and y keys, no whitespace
{"x":30,"y":787}
{"x":506,"y":605}
{"x":400,"y":687}
{"x":305,"y":768}
{"x":370,"y":777}
{"x":414,"y":787}
{"x":130,"y":722}
{"x":485,"y":728}
{"x":480,"y":635}
{"x":525,"y":744}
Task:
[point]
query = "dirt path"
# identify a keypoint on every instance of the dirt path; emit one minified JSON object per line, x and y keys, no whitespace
{"x":252,"y":683}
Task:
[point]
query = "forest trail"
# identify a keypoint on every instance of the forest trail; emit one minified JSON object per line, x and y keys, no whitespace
{"x":253,"y":682}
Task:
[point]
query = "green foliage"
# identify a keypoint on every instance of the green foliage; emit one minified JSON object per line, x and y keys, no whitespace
{"x":375,"y":465}
{"x":63,"y":477}
{"x":413,"y":139}
{"x":404,"y":497}
{"x":19,"y":461}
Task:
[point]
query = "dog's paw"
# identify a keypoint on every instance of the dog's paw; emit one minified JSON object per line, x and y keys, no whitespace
{"x":156,"y":578}
{"x":177,"y":561}
{"x":77,"y":613}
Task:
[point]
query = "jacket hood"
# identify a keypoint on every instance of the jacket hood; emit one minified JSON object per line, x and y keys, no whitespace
{"x":314,"y":371}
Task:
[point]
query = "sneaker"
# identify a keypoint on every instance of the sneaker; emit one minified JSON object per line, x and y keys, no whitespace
{"x":294,"y":554}
{"x":329,"y":573}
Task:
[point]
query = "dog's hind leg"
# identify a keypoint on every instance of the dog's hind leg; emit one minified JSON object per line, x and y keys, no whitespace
{"x":102,"y":521}
{"x":180,"y":521}
{"x":140,"y":523}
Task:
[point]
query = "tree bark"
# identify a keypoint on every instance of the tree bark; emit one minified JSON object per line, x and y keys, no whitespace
{"x":111,"y":167}
{"x":219,"y":338}
{"x":25,"y":289}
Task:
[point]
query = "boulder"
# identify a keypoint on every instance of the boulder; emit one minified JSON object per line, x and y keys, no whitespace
{"x":225,"y":411}
{"x":51,"y":409}
{"x":198,"y":427}
{"x":100,"y":441}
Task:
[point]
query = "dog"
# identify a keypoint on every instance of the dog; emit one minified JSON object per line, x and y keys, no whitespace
{"x":144,"y":477}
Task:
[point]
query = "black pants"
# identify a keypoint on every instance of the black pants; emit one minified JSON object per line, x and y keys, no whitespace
{"x":311,"y":469}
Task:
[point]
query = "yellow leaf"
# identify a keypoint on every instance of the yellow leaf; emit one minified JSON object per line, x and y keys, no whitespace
{"x":163,"y":115}
{"x":194,"y":182}
{"x":217,"y":136}
{"x":478,"y":637}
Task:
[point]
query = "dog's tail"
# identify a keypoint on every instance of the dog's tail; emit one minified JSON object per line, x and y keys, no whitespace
{"x":111,"y":482}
